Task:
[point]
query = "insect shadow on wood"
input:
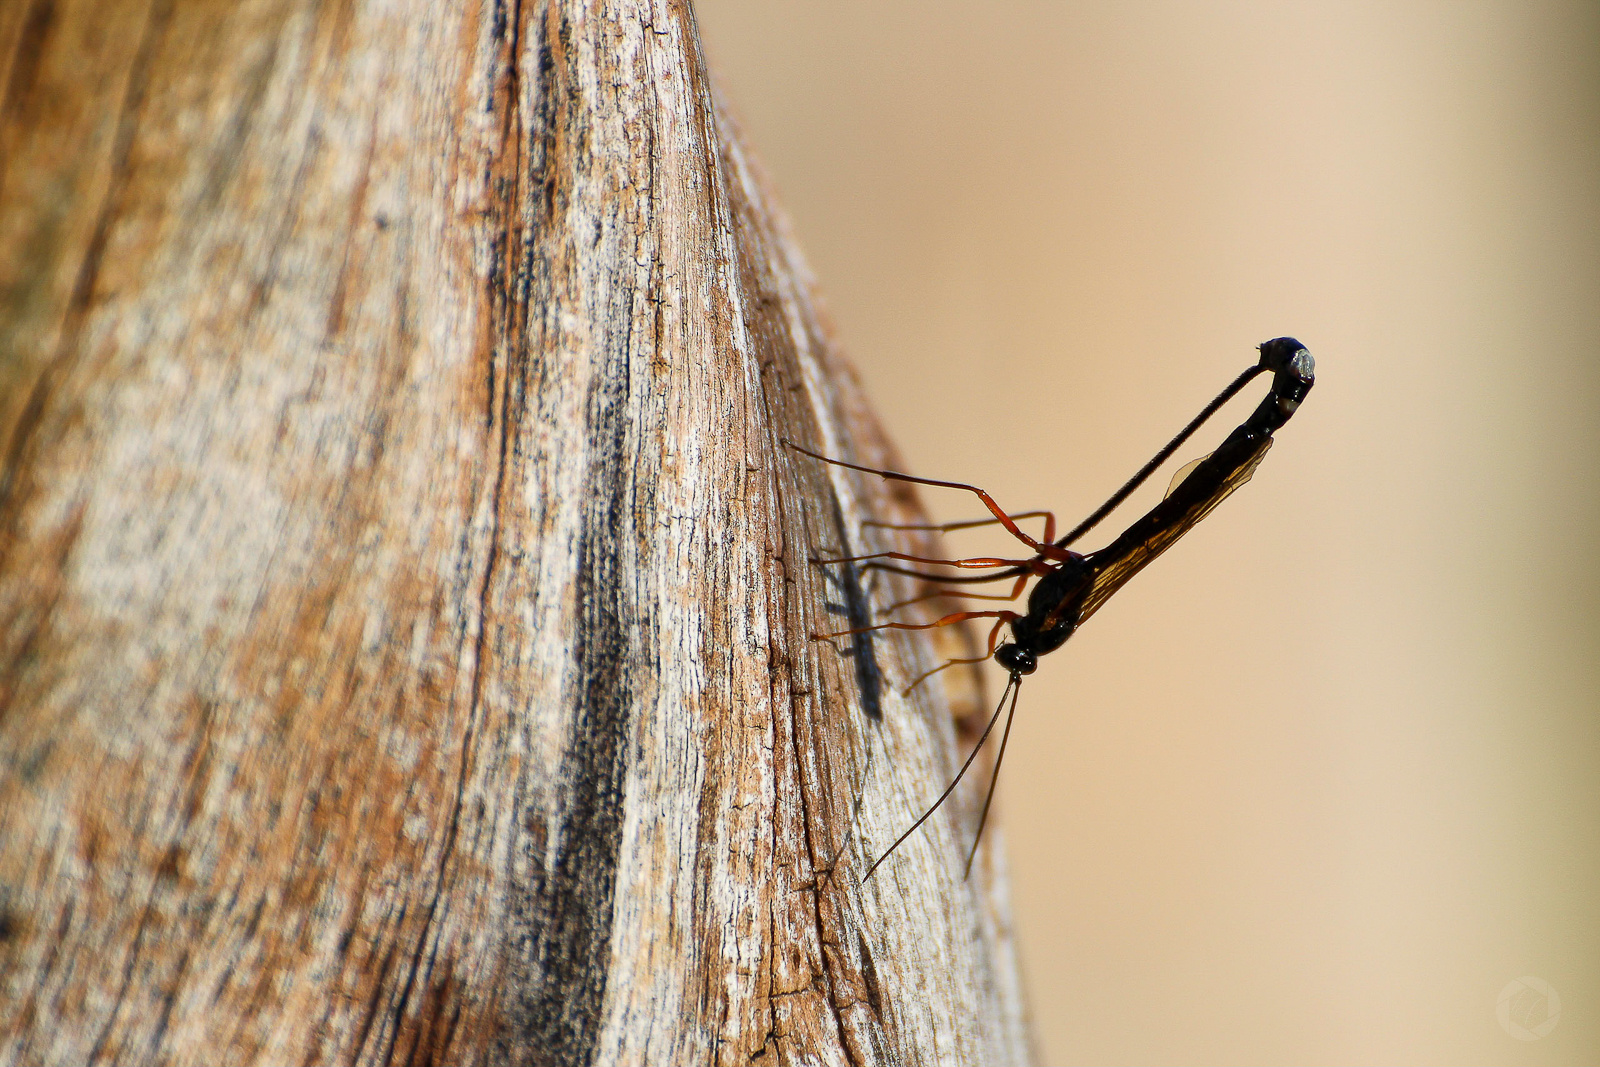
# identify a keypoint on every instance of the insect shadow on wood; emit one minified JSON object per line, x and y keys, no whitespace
{"x":1070,"y":586}
{"x":845,"y":583}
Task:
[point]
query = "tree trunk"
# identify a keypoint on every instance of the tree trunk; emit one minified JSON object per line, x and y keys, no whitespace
{"x":405,"y":596}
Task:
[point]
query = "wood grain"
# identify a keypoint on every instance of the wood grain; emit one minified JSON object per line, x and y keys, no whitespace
{"x":405,"y":597}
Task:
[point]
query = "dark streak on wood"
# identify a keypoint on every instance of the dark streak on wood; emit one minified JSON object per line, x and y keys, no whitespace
{"x":575,"y":899}
{"x":30,"y":46}
{"x":128,"y":117}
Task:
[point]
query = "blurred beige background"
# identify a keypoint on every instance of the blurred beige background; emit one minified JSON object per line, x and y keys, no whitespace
{"x":1325,"y":779}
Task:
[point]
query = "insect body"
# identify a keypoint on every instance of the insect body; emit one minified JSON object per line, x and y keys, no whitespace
{"x":1072,"y":586}
{"x":1055,"y":607}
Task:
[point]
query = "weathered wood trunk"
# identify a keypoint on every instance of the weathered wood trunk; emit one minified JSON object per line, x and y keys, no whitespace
{"x":405,"y":596}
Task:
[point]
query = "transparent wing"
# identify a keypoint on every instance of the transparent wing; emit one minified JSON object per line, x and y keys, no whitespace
{"x":1194,"y":492}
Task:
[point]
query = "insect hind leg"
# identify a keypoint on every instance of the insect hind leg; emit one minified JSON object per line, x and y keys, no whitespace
{"x":972,"y":524}
{"x":1044,"y":548}
{"x":1016,"y":590}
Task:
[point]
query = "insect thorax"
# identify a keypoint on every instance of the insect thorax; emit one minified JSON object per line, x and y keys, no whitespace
{"x":1054,"y":607}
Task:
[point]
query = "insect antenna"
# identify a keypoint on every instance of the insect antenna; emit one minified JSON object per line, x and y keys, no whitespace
{"x":994,"y":776}
{"x":1013,"y":688}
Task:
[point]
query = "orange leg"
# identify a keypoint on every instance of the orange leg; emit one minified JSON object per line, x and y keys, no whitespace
{"x":1016,"y":591}
{"x":1034,"y":566}
{"x":975,"y":561}
{"x":1044,"y":548}
{"x":954,"y":617}
{"x":946,"y":527}
{"x":994,"y":635}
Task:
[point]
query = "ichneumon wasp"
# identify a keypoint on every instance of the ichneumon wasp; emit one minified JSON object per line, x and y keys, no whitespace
{"x":1072,"y":585}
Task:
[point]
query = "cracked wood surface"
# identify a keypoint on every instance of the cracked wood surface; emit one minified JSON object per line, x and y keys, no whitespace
{"x":404,"y":592}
